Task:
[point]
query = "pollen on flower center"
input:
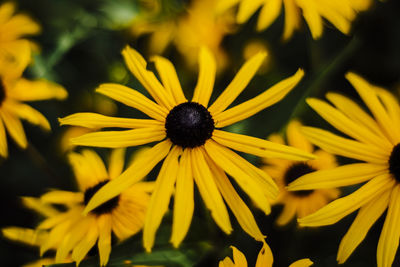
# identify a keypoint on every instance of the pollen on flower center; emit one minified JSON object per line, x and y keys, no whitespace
{"x":2,"y":92}
{"x":189,"y":125}
{"x":295,"y":171}
{"x":394,"y":162}
{"x":106,"y":207}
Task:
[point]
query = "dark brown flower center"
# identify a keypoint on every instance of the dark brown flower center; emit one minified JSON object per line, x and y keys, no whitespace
{"x":106,"y":207}
{"x":189,"y":124}
{"x":295,"y":171}
{"x":2,"y":92}
{"x":394,"y":162}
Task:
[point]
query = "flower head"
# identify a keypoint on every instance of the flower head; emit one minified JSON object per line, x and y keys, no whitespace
{"x":374,"y":140}
{"x":303,"y":202}
{"x":69,"y":232}
{"x":193,"y":147}
{"x":340,"y":14}
{"x":264,"y":259}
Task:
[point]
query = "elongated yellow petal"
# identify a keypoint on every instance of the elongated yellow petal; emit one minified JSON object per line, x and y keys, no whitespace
{"x":169,"y":78}
{"x":24,"y":235}
{"x":83,"y":247}
{"x":258,"y":103}
{"x":137,"y":65}
{"x":25,"y":90}
{"x":340,"y":176}
{"x":390,"y":235}
{"x":265,"y":257}
{"x":223,"y":5}
{"x":118,"y":139}
{"x":209,"y":192}
{"x":259,"y":147}
{"x":238,"y":84}
{"x":37,"y":205}
{"x":184,"y":200}
{"x":268,"y":14}
{"x":161,"y":196}
{"x":247,"y":8}
{"x":370,"y":98}
{"x":28,"y":113}
{"x":205,"y":83}
{"x":391,"y":104}
{"x":343,"y":123}
{"x":341,"y":207}
{"x":62,"y":197}
{"x":133,"y":99}
{"x":248,"y":179}
{"x":238,"y":258}
{"x":235,"y":203}
{"x":292,"y":18}
{"x":117,"y":160}
{"x":296,"y":138}
{"x":95,"y":164}
{"x":335,"y":144}
{"x":140,"y":168}
{"x":3,"y":141}
{"x":302,"y":263}
{"x":227,"y":262}
{"x":97,"y":121}
{"x":104,"y":243}
{"x":14,"y":128}
{"x":366,"y":217}
{"x":310,"y":14}
{"x":83,"y":172}
{"x":288,"y":213}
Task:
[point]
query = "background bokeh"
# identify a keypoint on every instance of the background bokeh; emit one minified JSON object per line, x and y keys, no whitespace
{"x":80,"y":45}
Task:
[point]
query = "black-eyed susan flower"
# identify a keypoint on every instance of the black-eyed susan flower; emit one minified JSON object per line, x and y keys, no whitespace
{"x":304,"y":202}
{"x":15,"y":51}
{"x":338,"y":13}
{"x":14,"y":90}
{"x":194,"y":149}
{"x":375,"y":141}
{"x":265,"y":259}
{"x":72,"y":233}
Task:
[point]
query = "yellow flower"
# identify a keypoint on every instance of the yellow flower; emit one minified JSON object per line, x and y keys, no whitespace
{"x":299,"y":203}
{"x":264,"y":259}
{"x":339,"y":13}
{"x":13,"y":91}
{"x":376,"y":142}
{"x":188,"y":138}
{"x":70,"y":232}
{"x":15,"y":51}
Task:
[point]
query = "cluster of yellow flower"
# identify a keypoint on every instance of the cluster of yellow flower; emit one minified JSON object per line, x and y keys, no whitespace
{"x":193,"y":149}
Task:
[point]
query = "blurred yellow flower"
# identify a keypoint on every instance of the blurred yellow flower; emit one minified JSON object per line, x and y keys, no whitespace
{"x":299,"y":203}
{"x":338,"y":13}
{"x":188,"y":138}
{"x":374,"y":140}
{"x":15,"y":51}
{"x":71,"y":233}
{"x":264,"y":259}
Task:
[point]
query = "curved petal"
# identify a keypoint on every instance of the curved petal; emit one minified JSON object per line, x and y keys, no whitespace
{"x":104,"y":225}
{"x":302,"y":263}
{"x":25,"y":90}
{"x":28,"y":113}
{"x":82,"y":248}
{"x":268,"y":14}
{"x":296,"y":138}
{"x":205,"y":83}
{"x":14,"y":128}
{"x":265,"y":257}
{"x":117,"y":162}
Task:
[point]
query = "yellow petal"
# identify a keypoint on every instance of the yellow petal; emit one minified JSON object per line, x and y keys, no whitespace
{"x":296,"y":138}
{"x":140,"y":168}
{"x":205,"y":83}
{"x":161,"y":196}
{"x":24,"y":235}
{"x":28,"y":113}
{"x":17,"y":26}
{"x":235,"y":203}
{"x":104,"y":244}
{"x":97,"y":121}
{"x":310,"y":14}
{"x":82,"y":171}
{"x":169,"y":78}
{"x":268,"y":14}
{"x":366,"y":217}
{"x":292,"y":18}
{"x":247,"y":8}
{"x":238,"y":84}
{"x":265,"y":257}
{"x":184,"y":200}
{"x":227,"y":262}
{"x":390,"y":235}
{"x":3,"y":141}
{"x":335,"y":144}
{"x":134,"y":99}
{"x":341,"y":207}
{"x":238,"y":258}
{"x":256,"y":184}
{"x":14,"y":58}
{"x":340,"y":176}
{"x":83,"y":247}
{"x":258,"y":103}
{"x":118,"y":139}
{"x":209,"y":192}
{"x":223,"y":5}
{"x":62,"y":197}
{"x":137,"y":65}
{"x":370,"y":98}
{"x":95,"y":165}
{"x":287,"y":214}
{"x":302,"y":263}
{"x":391,"y":104}
{"x":25,"y":90}
{"x":259,"y":147}
{"x":117,"y":160}
{"x":14,"y":128}
{"x":37,"y":205}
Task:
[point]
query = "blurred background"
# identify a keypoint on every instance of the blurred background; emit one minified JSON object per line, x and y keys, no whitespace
{"x":80,"y":47}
